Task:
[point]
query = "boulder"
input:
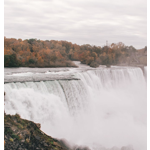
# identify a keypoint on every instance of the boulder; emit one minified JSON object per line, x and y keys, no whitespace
{"x":94,"y":64}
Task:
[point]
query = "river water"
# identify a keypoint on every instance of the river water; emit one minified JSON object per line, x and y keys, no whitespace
{"x":102,"y":108}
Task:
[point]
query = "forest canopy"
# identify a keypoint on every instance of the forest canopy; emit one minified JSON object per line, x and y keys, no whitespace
{"x":39,"y":53}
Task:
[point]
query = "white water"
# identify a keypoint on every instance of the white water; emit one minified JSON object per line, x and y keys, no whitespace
{"x":145,"y":72}
{"x":106,"y":109}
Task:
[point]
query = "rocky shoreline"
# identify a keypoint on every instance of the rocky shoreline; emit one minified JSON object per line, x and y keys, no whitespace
{"x":22,"y":134}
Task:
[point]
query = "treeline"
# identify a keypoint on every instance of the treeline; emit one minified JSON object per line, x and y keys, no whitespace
{"x":39,"y":53}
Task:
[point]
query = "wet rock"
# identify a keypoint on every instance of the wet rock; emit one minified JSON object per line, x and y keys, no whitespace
{"x":108,"y":66}
{"x":38,"y":125}
{"x":37,"y":137}
{"x":82,"y":148}
{"x":94,"y":64}
{"x":22,"y":141}
{"x":21,"y":134}
{"x":45,"y":144}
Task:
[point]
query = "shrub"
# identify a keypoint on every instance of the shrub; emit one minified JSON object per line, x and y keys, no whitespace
{"x":15,"y":136}
{"x":31,"y":61}
{"x":10,"y":61}
{"x":20,"y":126}
{"x":17,"y":116}
{"x":11,"y":140}
{"x":8,"y":131}
{"x":20,"y":137}
{"x":27,"y":140}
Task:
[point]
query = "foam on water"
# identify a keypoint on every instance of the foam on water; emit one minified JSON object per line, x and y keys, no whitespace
{"x":145,"y":72}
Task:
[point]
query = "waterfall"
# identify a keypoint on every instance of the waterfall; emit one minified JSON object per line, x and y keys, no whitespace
{"x":145,"y":72}
{"x":105,"y":109}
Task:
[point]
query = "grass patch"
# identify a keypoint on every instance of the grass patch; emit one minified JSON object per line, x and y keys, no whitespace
{"x":14,"y":136}
{"x":20,"y":126}
{"x":8,"y":131}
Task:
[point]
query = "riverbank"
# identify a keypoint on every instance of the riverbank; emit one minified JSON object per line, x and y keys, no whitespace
{"x":21,"y":134}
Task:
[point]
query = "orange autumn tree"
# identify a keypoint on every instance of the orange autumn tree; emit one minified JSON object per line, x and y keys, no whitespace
{"x":53,"y":53}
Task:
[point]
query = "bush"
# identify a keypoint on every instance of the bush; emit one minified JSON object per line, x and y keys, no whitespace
{"x":15,"y":136}
{"x":11,"y":140}
{"x":31,"y":61}
{"x":17,"y":116}
{"x":11,"y":61}
{"x":27,"y":140}
{"x":8,"y":131}
{"x":20,"y":126}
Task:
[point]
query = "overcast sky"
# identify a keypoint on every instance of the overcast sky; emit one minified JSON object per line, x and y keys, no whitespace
{"x":78,"y":21}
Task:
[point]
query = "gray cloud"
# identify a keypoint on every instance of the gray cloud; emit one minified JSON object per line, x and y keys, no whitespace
{"x":80,"y":22}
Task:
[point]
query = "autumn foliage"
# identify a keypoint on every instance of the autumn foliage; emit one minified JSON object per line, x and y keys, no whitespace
{"x":39,"y":53}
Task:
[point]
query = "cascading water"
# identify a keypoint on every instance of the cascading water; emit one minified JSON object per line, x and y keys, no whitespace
{"x":105,"y":109}
{"x":145,"y":72}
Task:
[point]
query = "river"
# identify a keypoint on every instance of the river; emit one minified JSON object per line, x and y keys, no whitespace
{"x":102,"y":108}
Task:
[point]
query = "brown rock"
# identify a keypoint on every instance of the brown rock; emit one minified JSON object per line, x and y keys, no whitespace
{"x":38,"y":125}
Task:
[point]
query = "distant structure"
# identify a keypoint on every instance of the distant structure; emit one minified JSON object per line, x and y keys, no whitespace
{"x":106,"y":43}
{"x":145,"y":50}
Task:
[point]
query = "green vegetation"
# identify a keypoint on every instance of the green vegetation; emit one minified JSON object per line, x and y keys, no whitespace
{"x":8,"y":131}
{"x":11,"y":140}
{"x":11,"y":60}
{"x":14,"y":136}
{"x":23,"y":134}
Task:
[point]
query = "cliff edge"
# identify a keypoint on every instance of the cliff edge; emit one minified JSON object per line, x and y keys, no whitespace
{"x":21,"y":134}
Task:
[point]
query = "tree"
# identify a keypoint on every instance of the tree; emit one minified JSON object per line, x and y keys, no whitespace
{"x":10,"y":61}
{"x":31,"y":61}
{"x":94,"y":55}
